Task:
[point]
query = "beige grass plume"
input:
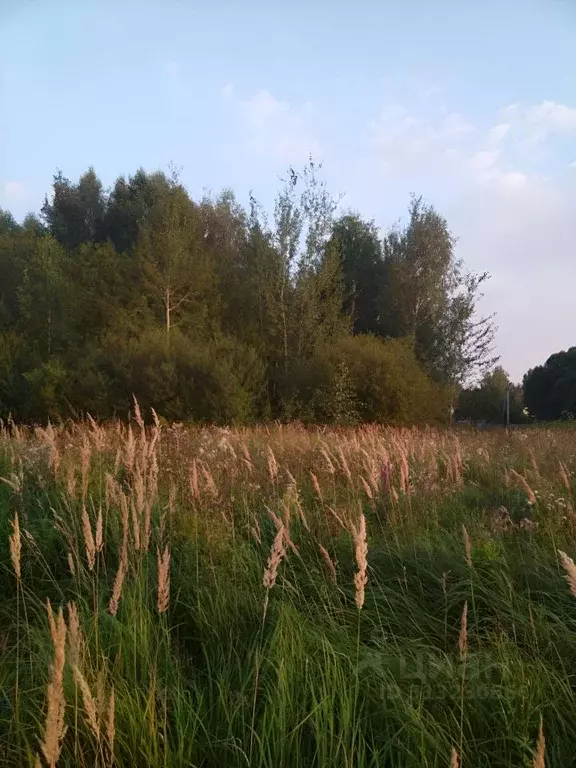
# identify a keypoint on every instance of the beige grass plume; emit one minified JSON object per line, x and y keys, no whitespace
{"x":123,"y":564}
{"x":467,"y":546}
{"x":54,"y":728}
{"x":316,"y":486}
{"x":569,"y":569}
{"x":366,"y":487}
{"x":540,"y":756}
{"x":277,"y":553}
{"x":193,"y":479}
{"x":75,"y":636}
{"x":90,"y":708}
{"x":404,"y":474}
{"x":110,"y":721}
{"x":99,"y":542}
{"x":88,"y":538}
{"x":16,"y":546}
{"x":329,"y":563}
{"x":360,"y":554}
{"x":463,"y":637}
{"x":163,"y":580}
{"x":524,"y":484}
{"x":455,"y":760}
{"x":564,"y":477}
{"x":344,"y":464}
{"x":272,"y":464}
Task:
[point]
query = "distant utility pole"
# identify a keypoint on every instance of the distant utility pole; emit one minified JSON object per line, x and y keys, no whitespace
{"x":508,"y":407}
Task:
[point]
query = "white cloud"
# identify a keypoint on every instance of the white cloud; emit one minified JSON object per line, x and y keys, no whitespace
{"x":552,"y":117}
{"x":278,"y":129}
{"x":12,"y":192}
{"x":483,"y":160}
{"x":497,"y":133}
{"x":454,"y":126}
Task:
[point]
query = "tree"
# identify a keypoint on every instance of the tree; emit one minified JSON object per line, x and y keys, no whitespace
{"x":550,"y":389}
{"x":427,"y":296}
{"x":76,"y":213}
{"x":178,"y":276}
{"x":360,"y":250}
{"x":46,"y":298}
{"x":129,"y":205}
{"x":389,"y":384}
{"x":487,"y":400}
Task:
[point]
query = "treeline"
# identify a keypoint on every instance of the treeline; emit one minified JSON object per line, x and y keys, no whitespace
{"x":213,"y":313}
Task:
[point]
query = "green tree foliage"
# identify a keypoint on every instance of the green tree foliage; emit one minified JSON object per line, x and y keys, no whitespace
{"x":213,"y":313}
{"x":361,"y":257}
{"x":388,"y":382}
{"x":550,"y":389}
{"x":487,"y":401}
{"x":427,"y":295}
{"x":75,"y":214}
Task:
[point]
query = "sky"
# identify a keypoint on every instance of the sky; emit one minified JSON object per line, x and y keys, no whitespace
{"x":472,"y":105}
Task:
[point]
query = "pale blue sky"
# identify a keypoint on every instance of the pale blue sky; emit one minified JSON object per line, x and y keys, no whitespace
{"x":471,"y":104}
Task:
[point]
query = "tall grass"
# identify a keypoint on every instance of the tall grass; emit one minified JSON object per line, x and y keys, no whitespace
{"x":276,"y":596}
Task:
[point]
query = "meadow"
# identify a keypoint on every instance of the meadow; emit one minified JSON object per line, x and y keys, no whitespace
{"x":278,"y":596}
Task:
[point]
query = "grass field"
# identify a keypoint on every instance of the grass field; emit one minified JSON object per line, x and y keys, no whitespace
{"x":177,"y":596}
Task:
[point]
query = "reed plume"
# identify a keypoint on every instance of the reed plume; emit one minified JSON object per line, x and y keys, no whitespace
{"x":329,"y":563}
{"x":54,"y":728}
{"x":277,"y":553}
{"x":316,"y":486}
{"x":163,"y":580}
{"x":90,"y":708}
{"x":110,"y":721}
{"x":463,"y":636}
{"x":569,"y":570}
{"x":360,"y":554}
{"x":525,"y":486}
{"x":564,"y":477}
{"x":123,"y":563}
{"x":16,"y":546}
{"x":467,"y":546}
{"x":88,"y":538}
{"x":540,"y":756}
